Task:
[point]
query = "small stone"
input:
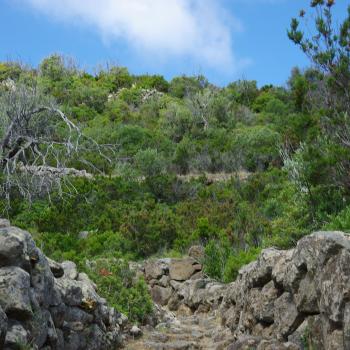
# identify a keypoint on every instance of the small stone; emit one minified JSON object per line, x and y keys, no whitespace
{"x":83,"y":234}
{"x":135,"y":331}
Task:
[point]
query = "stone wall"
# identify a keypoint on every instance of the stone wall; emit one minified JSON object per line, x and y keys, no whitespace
{"x":46,"y":305}
{"x":294,"y":299}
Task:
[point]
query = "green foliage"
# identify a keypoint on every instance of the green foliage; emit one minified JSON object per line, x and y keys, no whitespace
{"x":340,"y":221}
{"x":327,"y":45}
{"x":149,"y":228}
{"x":10,"y":70}
{"x":152,"y":82}
{"x":184,"y":86}
{"x":244,"y":91}
{"x":119,"y":285}
{"x":256,"y":146}
{"x":223,"y":263}
{"x":150,"y":162}
{"x":115,"y":78}
{"x":236,"y":169}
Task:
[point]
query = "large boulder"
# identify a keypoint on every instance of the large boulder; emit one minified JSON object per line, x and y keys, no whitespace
{"x":298,"y":295}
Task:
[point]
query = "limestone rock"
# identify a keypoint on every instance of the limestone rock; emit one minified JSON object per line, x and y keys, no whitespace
{"x":155,"y":269}
{"x":14,"y":292}
{"x":16,"y":334}
{"x":4,"y":223}
{"x":287,"y":317}
{"x":48,"y":305}
{"x":164,"y":281}
{"x":161,"y":295}
{"x":135,"y":331}
{"x":56,"y":268}
{"x":12,"y":248}
{"x":262,"y":303}
{"x":70,"y":269}
{"x":182,"y":269}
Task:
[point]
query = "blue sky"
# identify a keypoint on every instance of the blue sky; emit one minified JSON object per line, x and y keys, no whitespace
{"x":223,"y":39}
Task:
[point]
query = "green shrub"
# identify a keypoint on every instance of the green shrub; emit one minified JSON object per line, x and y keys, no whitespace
{"x":122,"y":289}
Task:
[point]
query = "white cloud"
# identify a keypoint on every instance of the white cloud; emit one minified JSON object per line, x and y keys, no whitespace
{"x":197,"y":29}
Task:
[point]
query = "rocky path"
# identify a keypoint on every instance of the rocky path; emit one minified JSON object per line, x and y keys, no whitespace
{"x":202,"y":332}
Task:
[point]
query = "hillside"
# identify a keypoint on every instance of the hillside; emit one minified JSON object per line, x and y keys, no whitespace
{"x":110,"y":170}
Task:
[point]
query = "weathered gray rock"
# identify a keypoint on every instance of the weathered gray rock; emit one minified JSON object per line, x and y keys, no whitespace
{"x":12,"y":248}
{"x":182,"y":269}
{"x":70,"y":269}
{"x":257,"y":343}
{"x":263,"y":303}
{"x":287,"y":318}
{"x":164,"y":281}
{"x":56,"y":268}
{"x":258,"y":273}
{"x":16,"y":334}
{"x":245,"y":343}
{"x":14,"y":292}
{"x":4,"y":223}
{"x":83,"y":277}
{"x":161,"y":295}
{"x":135,"y":331}
{"x":155,"y":269}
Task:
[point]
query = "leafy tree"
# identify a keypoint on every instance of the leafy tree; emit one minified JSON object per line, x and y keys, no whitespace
{"x":115,"y":78}
{"x":244,"y":91}
{"x":184,"y":86}
{"x":328,"y":48}
{"x":152,"y":82}
{"x":150,"y":162}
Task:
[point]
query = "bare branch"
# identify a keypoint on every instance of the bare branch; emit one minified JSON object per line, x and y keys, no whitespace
{"x":37,"y":143}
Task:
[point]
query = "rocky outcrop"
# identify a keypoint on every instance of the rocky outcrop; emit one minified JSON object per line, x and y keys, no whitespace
{"x":300,"y":296}
{"x":294,"y":299}
{"x":181,"y":282}
{"x":46,"y":305}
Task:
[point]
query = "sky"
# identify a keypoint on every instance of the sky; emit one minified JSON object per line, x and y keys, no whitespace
{"x":224,"y":40}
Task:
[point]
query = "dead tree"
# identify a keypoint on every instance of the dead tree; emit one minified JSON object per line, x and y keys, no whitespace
{"x":37,"y":141}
